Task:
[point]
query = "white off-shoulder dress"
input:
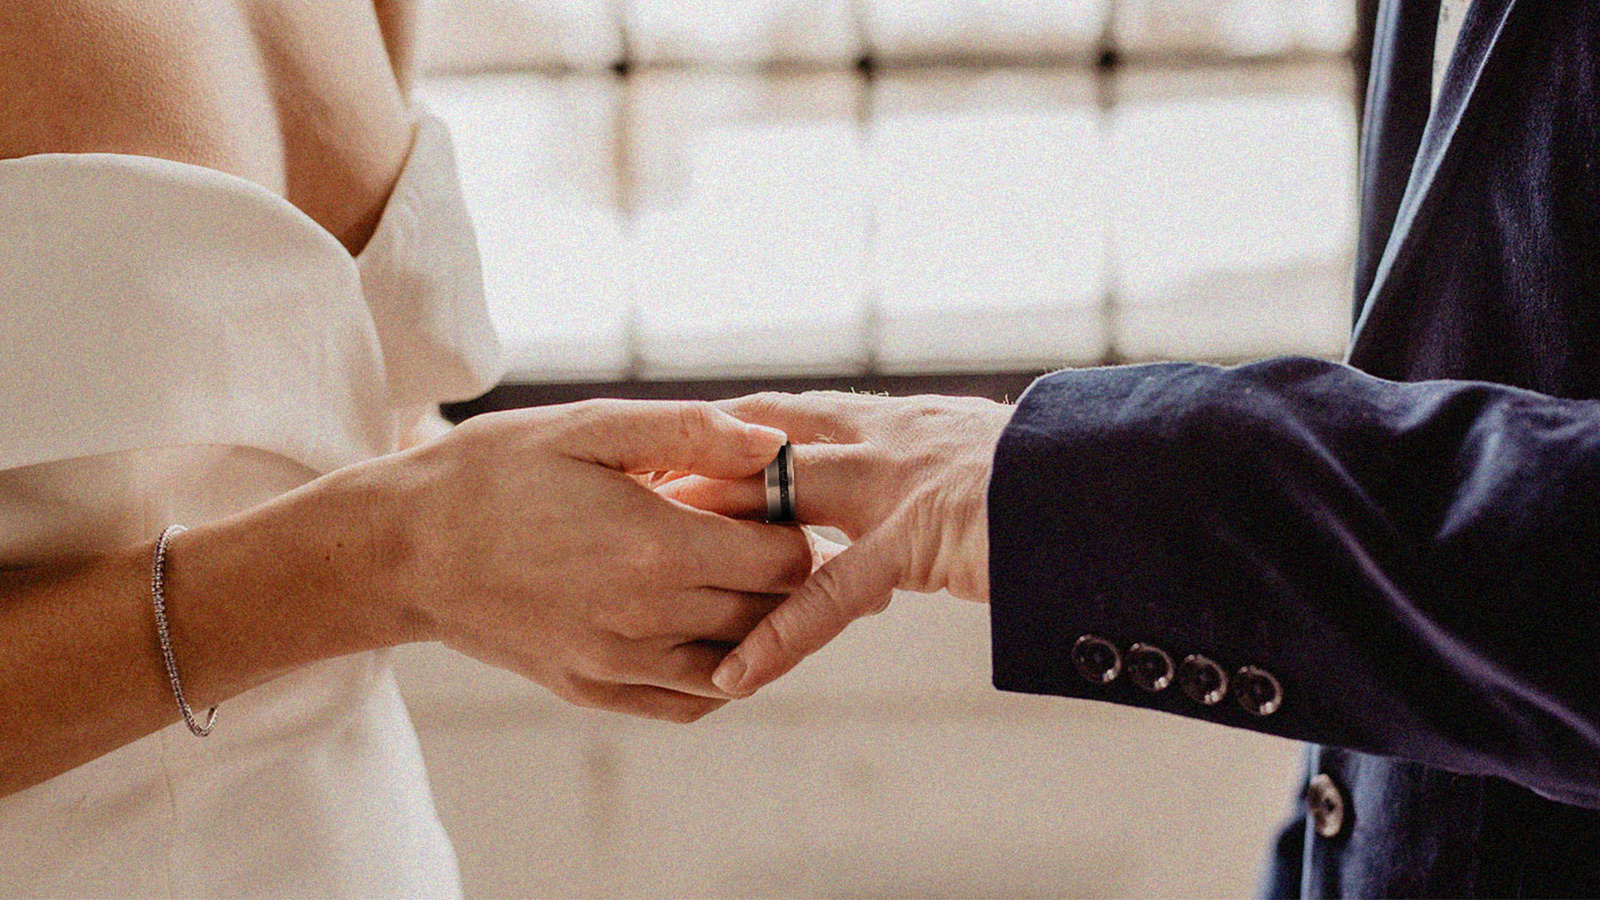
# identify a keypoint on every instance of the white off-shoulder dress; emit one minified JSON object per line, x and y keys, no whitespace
{"x":178,"y":344}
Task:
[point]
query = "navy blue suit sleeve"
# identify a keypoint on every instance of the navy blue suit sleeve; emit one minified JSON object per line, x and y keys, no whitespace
{"x":1417,"y":563}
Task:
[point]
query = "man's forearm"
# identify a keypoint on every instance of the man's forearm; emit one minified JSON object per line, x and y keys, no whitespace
{"x":1415,"y":564}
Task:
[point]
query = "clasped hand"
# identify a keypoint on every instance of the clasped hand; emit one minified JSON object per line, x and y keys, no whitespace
{"x":527,"y":539}
{"x":905,"y":479}
{"x":534,"y":541}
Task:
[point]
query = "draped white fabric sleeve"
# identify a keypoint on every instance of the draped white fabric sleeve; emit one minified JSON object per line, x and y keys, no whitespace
{"x":153,"y":303}
{"x":177,"y":344}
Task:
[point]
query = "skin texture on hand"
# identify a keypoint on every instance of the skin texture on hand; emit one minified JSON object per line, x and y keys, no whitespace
{"x":904,"y":478}
{"x":519,"y":538}
{"x":530,"y":547}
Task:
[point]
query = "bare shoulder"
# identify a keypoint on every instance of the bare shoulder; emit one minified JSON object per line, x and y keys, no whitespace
{"x":127,"y":76}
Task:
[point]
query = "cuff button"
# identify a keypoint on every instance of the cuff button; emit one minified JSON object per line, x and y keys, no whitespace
{"x":1203,"y":680}
{"x":1096,"y":659}
{"x":1150,"y":667}
{"x":1258,"y":691}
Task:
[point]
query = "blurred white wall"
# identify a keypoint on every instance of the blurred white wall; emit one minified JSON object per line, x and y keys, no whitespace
{"x":990,"y":209}
{"x":747,"y":200}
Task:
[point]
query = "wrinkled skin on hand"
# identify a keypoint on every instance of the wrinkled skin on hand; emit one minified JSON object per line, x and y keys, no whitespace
{"x":533,"y":547}
{"x":905,"y":478}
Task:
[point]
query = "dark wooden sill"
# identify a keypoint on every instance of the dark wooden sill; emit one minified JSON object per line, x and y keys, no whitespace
{"x":1003,"y":387}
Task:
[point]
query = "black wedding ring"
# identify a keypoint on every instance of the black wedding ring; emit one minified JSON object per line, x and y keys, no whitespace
{"x":780,"y":486}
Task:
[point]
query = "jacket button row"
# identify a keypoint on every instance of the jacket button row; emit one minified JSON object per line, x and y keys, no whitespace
{"x":1151,"y":668}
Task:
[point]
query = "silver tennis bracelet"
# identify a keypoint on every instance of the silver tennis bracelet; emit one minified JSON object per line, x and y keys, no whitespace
{"x":159,"y":601}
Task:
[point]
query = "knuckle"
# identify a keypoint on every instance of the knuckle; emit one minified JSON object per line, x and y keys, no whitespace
{"x":831,"y":600}
{"x":768,"y":407}
{"x":790,"y":624}
{"x":778,"y":637}
{"x":695,"y":419}
{"x":634,"y":624}
{"x":787,"y":565}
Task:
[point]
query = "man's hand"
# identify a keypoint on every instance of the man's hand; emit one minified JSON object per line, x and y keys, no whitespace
{"x":524,"y":542}
{"x":904,"y":478}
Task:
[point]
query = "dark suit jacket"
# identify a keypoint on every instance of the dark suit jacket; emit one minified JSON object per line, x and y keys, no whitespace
{"x":1410,"y":543}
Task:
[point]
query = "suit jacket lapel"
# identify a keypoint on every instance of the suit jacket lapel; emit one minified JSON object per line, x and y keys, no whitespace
{"x":1396,"y":113}
{"x":1480,"y":32}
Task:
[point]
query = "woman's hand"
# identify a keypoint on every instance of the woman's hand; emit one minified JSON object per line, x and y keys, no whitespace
{"x":517,"y":538}
{"x":526,"y":544}
{"x":905,"y":478}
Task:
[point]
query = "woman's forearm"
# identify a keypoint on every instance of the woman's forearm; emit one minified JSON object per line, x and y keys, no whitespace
{"x":518,"y":538}
{"x":248,"y":598}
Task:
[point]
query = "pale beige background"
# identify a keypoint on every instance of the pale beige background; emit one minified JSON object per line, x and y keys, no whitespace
{"x":886,"y":766}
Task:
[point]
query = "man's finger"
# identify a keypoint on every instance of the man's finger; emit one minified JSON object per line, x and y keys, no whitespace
{"x":681,"y":436}
{"x":827,"y":490}
{"x":856,"y":583}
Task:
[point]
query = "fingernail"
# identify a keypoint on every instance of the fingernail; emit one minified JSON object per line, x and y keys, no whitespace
{"x":729,"y":675}
{"x":762,"y":441}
